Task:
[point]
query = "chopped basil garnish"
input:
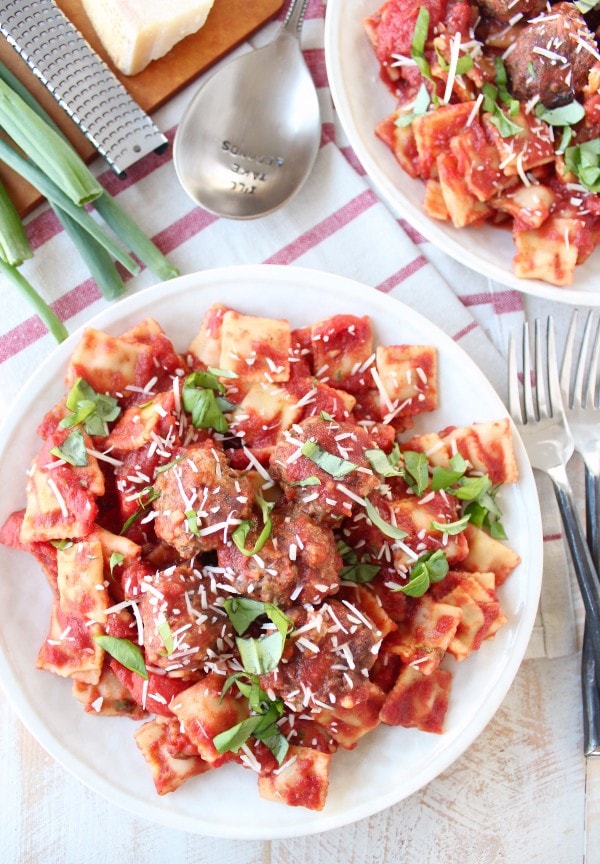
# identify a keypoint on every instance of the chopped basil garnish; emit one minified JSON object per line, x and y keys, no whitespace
{"x":72,"y":449}
{"x":243,"y":529}
{"x":586,"y":6}
{"x":115,"y":559}
{"x":464,"y":64}
{"x":61,"y":544}
{"x":502,"y":85}
{"x":328,"y":462}
{"x":164,"y":631}
{"x":417,"y":48}
{"x":262,"y":725}
{"x":123,"y":650}
{"x":452,"y":528}
{"x":167,"y":465}
{"x":420,"y":107}
{"x":416,"y":471}
{"x":222,"y":373}
{"x":191,"y":520}
{"x":354,"y":569}
{"x":307,"y":481}
{"x":430,"y":567}
{"x":505,"y":126}
{"x":200,"y":399}
{"x":486,"y":514}
{"x":389,"y":530}
{"x":584,"y":161}
{"x":145,"y":498}
{"x":383,"y":464}
{"x":90,"y":409}
{"x":263,"y":654}
{"x":565,"y":115}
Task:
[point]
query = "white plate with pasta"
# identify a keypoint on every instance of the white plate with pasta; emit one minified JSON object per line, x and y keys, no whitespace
{"x":390,"y":762}
{"x":363,"y":101}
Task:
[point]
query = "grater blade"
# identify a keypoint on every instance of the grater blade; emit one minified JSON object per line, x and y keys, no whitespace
{"x":80,"y":81}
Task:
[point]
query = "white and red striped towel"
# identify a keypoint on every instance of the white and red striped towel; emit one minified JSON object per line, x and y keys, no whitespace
{"x":337,"y":224}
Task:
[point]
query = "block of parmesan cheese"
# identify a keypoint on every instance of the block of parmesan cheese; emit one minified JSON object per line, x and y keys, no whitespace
{"x":134,"y":32}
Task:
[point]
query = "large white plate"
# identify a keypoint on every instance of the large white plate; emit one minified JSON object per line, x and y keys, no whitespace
{"x":362,"y":100}
{"x":387,"y":765}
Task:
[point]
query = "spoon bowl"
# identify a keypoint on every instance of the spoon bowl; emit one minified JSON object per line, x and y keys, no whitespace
{"x":249,"y":137}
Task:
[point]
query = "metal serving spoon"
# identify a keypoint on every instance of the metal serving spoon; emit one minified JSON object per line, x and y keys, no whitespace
{"x":249,"y":138}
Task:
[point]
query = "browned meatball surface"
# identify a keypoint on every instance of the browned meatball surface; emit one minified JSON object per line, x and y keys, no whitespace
{"x":506,"y":10}
{"x":550,"y":58}
{"x":335,"y":489}
{"x":183,"y":605}
{"x":334,"y":646}
{"x":202,"y":499}
{"x":299,"y":563}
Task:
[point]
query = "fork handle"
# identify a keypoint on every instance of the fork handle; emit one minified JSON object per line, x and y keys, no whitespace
{"x":587,"y":578}
{"x":590,"y":670}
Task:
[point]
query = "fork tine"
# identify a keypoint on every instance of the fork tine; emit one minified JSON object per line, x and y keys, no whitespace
{"x":592,"y":385}
{"x":565,"y":370}
{"x":530,"y":412}
{"x":514,"y":399}
{"x":553,"y":377}
{"x":581,"y":371}
{"x":544,"y":409}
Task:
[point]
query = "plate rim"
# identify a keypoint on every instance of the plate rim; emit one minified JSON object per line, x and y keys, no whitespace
{"x":154,"y":808}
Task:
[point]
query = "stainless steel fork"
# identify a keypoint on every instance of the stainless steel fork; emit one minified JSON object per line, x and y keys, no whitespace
{"x":580,"y":400}
{"x":540,"y":420}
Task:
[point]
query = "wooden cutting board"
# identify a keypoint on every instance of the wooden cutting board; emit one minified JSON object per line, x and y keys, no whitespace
{"x":229,"y":23}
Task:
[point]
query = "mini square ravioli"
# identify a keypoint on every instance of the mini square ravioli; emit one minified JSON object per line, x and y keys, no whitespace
{"x":407,"y":378}
{"x":255,"y":348}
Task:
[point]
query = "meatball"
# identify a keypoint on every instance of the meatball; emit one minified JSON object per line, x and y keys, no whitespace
{"x":334,"y":647}
{"x":550,"y":59}
{"x":324,"y":485}
{"x":299,"y":563}
{"x":504,"y":10}
{"x":188,"y":600}
{"x":201,"y":499}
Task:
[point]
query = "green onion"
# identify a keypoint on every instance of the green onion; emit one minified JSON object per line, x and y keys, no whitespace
{"x":97,"y":260}
{"x":55,"y":195}
{"x":46,"y":148}
{"x":14,"y":243}
{"x":134,"y":238}
{"x":52,"y":322}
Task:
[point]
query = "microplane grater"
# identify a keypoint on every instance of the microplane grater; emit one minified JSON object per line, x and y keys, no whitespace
{"x":80,"y":81}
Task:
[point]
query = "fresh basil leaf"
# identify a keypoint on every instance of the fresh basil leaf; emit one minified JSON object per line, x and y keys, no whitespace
{"x":115,"y":559}
{"x":262,"y":725}
{"x":167,"y":465}
{"x":221,"y":373}
{"x":199,"y":396}
{"x":452,"y":528}
{"x":72,"y":449}
{"x":472,"y":488}
{"x":389,"y":530}
{"x":90,"y":409}
{"x":430,"y":567}
{"x":328,"y":462}
{"x":307,"y":481}
{"x":232,"y":739}
{"x":191,"y":519}
{"x":260,"y":656}
{"x":420,"y":107}
{"x":241,"y":532}
{"x":242,"y":612}
{"x":416,"y":471}
{"x":505,"y":125}
{"x":164,"y":631}
{"x":444,"y":478}
{"x":586,"y":6}
{"x":324,"y":415}
{"x":360,"y":572}
{"x":61,"y":544}
{"x":125,"y":652}
{"x":584,"y":161}
{"x":380,"y":462}
{"x":145,"y":498}
{"x":565,"y":115}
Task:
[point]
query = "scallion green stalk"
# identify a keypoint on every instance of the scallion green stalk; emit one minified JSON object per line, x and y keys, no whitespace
{"x":46,"y":148}
{"x":55,"y":195}
{"x":14,"y":243}
{"x":98,"y":261}
{"x":133,"y":236}
{"x":111,"y":212}
{"x":52,"y":322}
